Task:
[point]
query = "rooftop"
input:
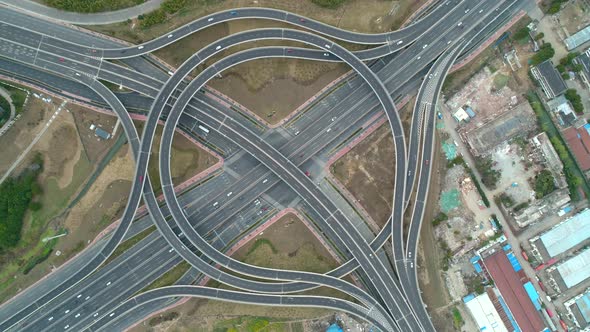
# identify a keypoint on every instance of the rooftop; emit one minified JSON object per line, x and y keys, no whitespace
{"x":578,"y":38}
{"x":567,"y":234}
{"x":576,"y":269}
{"x":583,"y":304}
{"x":513,"y":292}
{"x":579,"y":141}
{"x":551,"y":81}
{"x":485,"y":314}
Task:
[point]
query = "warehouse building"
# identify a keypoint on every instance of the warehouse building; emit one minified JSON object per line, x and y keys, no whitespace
{"x":579,"y":309}
{"x":549,"y":78}
{"x":563,"y":236}
{"x":509,"y":279}
{"x":571,"y":272}
{"x":484,"y":313}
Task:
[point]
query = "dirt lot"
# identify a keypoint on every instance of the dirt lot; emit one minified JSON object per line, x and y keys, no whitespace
{"x":367,"y":172}
{"x":274,"y":248}
{"x":287,"y":83}
{"x":66,"y":168}
{"x":187,"y":159}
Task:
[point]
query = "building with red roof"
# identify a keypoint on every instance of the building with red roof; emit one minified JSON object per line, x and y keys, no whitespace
{"x":578,"y":140}
{"x":510,"y":284}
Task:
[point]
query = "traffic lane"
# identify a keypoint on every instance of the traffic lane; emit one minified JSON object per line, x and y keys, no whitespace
{"x":232,"y":296}
{"x":213,"y":70}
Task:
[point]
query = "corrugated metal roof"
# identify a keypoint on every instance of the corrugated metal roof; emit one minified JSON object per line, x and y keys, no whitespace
{"x":567,"y":234}
{"x":483,"y":311}
{"x":583,"y":304}
{"x":578,"y":38}
{"x":576,"y":269}
{"x":508,"y":282}
{"x":533,"y":295}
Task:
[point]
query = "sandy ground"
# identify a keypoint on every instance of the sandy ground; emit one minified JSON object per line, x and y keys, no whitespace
{"x":21,"y":134}
{"x":294,"y":248}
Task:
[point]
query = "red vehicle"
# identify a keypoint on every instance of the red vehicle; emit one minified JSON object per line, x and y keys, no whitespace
{"x":524,"y":255}
{"x":549,"y":312}
{"x":93,"y":51}
{"x":307,"y":173}
{"x":427,"y":162}
{"x":541,"y":285}
{"x":289,"y":50}
{"x":563,"y":325}
{"x":61,"y":59}
{"x":301,"y":20}
{"x":141,"y":179}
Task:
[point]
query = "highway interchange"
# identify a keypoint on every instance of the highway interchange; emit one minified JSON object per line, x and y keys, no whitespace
{"x":391,"y":300}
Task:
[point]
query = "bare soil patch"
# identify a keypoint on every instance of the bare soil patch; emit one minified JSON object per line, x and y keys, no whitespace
{"x":367,"y":172}
{"x":95,"y":148}
{"x":187,"y":158}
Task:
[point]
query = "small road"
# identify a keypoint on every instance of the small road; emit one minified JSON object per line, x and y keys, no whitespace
{"x":6,"y":96}
{"x":116,"y":16}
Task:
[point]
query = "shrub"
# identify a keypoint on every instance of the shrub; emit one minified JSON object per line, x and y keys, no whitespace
{"x":489,"y":176}
{"x":152,"y":18}
{"x":544,"y":183}
{"x":328,"y":3}
{"x":172,"y":6}
{"x":574,"y":98}
{"x":545,"y":52}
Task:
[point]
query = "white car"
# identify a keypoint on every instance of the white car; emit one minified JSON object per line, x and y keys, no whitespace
{"x":77,"y":315}
{"x":215,"y":204}
{"x":327,"y":46}
{"x":108,"y":283}
{"x":265,"y":181}
{"x":140,"y":47}
{"x":418,"y":58}
{"x":218,"y":47}
{"x":210,"y":19}
{"x":79,"y":296}
{"x":425,"y":46}
{"x":66,"y":327}
{"x":67,"y":311}
{"x":329,"y":129}
{"x":400,"y":42}
{"x":229,"y":193}
{"x":112,"y":314}
{"x":170,"y":36}
{"x":50,"y":318}
{"x":460,"y":24}
{"x":326,"y":54}
{"x":96,"y":314}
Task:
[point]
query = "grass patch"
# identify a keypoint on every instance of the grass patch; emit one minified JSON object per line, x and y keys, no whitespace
{"x":457,"y":318}
{"x":259,"y":243}
{"x":500,"y":81}
{"x":93,"y":6}
{"x":125,"y":245}
{"x":169,"y":278}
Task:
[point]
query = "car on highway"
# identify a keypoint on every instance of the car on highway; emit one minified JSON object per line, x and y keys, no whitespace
{"x":307,"y":173}
{"x":426,"y":162}
{"x":327,"y":46}
{"x":400,"y":42}
{"x":140,"y":47}
{"x":233,"y":13}
{"x":210,"y":19}
{"x":141,"y":179}
{"x":302,"y":20}
{"x":66,"y":327}
{"x":289,"y":50}
{"x":108,"y":283}
{"x":170,"y":36}
{"x":67,"y":311}
{"x":265,"y":181}
{"x":229,"y":193}
{"x":425,"y":46}
{"x":218,"y":47}
{"x":50,"y":318}
{"x":326,"y":54}
{"x":61,"y":59}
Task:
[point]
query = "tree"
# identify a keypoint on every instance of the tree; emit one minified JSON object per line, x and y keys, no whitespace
{"x":489,"y":176}
{"x":522,"y":33}
{"x":539,"y":36}
{"x":574,"y":98}
{"x":544,"y":183}
{"x":545,"y":52}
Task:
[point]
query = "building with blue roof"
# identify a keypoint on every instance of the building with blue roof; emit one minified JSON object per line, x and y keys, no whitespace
{"x":533,"y":295}
{"x":564,"y":236}
{"x":334,"y":328}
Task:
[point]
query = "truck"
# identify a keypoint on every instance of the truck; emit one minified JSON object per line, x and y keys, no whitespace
{"x":204,"y":129}
{"x":524,"y":255}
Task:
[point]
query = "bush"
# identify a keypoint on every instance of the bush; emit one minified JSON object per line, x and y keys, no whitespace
{"x":521,"y":206}
{"x":539,"y":36}
{"x":545,"y":52}
{"x":172,"y":6}
{"x":522,"y":33}
{"x":328,"y":3}
{"x":489,"y":176}
{"x":544,"y":183}
{"x":91,"y":6}
{"x":506,"y":200}
{"x":15,"y":198}
{"x":152,"y":18}
{"x":574,"y":98}
{"x":440,"y":217}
